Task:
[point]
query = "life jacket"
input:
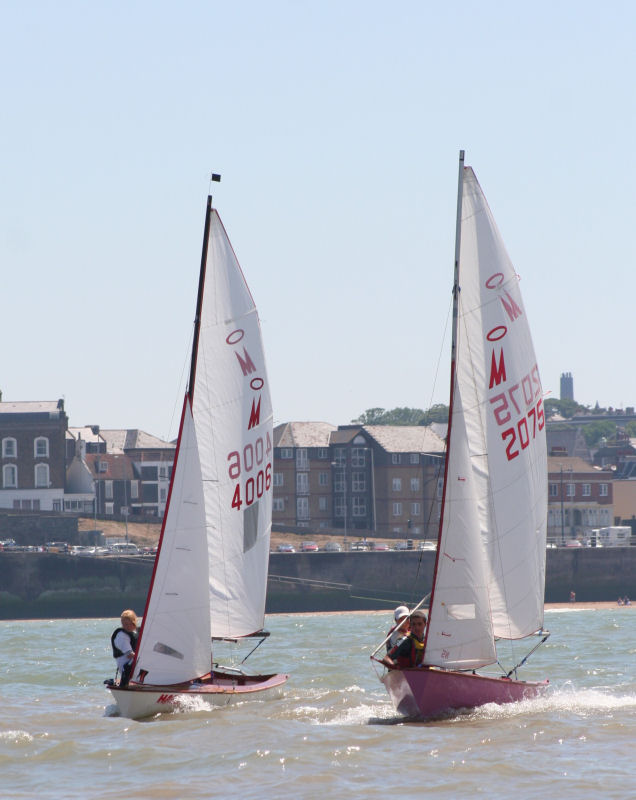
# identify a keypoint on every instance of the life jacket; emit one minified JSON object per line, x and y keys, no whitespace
{"x":415,"y":656}
{"x":133,"y":642}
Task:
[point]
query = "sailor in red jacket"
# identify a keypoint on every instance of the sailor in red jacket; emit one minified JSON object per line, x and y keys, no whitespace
{"x":409,"y":652}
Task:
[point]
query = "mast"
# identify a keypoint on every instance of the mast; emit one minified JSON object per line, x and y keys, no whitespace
{"x":197,"y":316}
{"x":456,"y":290}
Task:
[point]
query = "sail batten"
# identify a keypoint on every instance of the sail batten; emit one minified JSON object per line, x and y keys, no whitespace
{"x":495,"y":494}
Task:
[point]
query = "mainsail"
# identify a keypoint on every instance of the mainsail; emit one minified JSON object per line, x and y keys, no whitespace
{"x":490,"y":570}
{"x":211,"y":570}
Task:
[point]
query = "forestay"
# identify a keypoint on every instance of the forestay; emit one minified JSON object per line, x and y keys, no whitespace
{"x":490,"y":572}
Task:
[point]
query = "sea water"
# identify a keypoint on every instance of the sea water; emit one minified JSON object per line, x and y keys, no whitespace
{"x":332,"y":733}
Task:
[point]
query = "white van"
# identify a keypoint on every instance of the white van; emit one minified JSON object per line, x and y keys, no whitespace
{"x":124,"y":549}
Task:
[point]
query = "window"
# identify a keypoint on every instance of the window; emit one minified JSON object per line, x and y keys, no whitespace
{"x":162,"y":494}
{"x":570,"y":490}
{"x":163,"y":473}
{"x":554,"y":490}
{"x":134,"y":490}
{"x":41,"y":476}
{"x":323,"y":452}
{"x":397,"y":484}
{"x":340,"y":457}
{"x":415,"y":509}
{"x":278,"y":479}
{"x":358,"y":482}
{"x":396,"y":458}
{"x":302,"y":461}
{"x":358,"y":457}
{"x":339,"y":507}
{"x":359,"y":507}
{"x":9,"y":448}
{"x":323,"y":478}
{"x":302,"y":507}
{"x":415,"y":484}
{"x":302,"y":483}
{"x":102,"y":466}
{"x":440,"y":488}
{"x":322,"y":503}
{"x":286,"y":452}
{"x":602,"y":490}
{"x":397,"y":509}
{"x":10,"y":476}
{"x":109,"y":508}
{"x":278,"y":504}
{"x":339,"y":482}
{"x":41,"y":447}
{"x":414,"y":458}
{"x":587,"y":490}
{"x":108,"y":489}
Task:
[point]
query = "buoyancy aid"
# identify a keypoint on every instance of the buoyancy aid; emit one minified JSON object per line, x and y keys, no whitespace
{"x":133,"y":642}
{"x":415,"y":656}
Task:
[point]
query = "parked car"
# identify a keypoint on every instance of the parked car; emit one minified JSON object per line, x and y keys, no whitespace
{"x":375,"y":546}
{"x":285,"y":548}
{"x":124,"y":549}
{"x":427,"y":546}
{"x":401,"y":546}
{"x":309,"y":547}
{"x":332,"y":547}
{"x":82,"y":550}
{"x":360,"y":546}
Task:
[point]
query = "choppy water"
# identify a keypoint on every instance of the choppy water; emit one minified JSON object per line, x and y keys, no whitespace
{"x":332,"y":733}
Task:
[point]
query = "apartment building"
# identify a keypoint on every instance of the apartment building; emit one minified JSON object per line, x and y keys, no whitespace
{"x":580,"y":498}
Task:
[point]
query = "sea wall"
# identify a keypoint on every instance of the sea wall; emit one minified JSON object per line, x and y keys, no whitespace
{"x":52,"y":585}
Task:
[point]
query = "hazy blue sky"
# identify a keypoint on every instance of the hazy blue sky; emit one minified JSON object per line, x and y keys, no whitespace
{"x":336,"y":127}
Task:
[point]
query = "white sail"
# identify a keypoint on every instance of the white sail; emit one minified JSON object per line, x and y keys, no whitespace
{"x":233,"y":419}
{"x":211,"y":570}
{"x":175,"y":641}
{"x":490,"y":573}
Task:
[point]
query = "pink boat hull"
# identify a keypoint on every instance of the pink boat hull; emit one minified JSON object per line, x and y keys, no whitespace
{"x":429,"y":692}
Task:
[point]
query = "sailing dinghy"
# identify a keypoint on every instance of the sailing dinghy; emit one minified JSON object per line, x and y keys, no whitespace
{"x":210,"y":574}
{"x":489,"y":577}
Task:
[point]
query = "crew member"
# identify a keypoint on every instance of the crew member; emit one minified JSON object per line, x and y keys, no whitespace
{"x":124,"y":642}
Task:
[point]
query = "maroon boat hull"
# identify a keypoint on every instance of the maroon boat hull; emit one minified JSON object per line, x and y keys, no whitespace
{"x":429,"y":692}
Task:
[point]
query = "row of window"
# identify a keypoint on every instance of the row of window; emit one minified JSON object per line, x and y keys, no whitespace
{"x":358,"y":507}
{"x":358,"y":482}
{"x":358,"y":456}
{"x":586,"y":489}
{"x":10,"y":476}
{"x":587,"y":517}
{"x":40,"y":447}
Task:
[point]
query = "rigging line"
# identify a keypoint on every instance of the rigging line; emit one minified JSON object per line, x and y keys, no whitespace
{"x":441,"y":353}
{"x":180,"y":388}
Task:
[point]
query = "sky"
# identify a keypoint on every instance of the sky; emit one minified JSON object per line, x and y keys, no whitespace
{"x":336,"y":126}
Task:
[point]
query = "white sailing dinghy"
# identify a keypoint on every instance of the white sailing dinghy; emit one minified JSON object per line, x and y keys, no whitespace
{"x":489,"y":577}
{"x":210,"y":575}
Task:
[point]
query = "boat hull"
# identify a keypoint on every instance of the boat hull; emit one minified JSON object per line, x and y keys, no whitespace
{"x":137,"y":701}
{"x":430,"y":692}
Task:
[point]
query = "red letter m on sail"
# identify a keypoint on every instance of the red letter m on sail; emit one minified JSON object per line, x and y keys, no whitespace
{"x":497,"y":371}
{"x":512,"y":309}
{"x":247,"y":365}
{"x":255,"y":416}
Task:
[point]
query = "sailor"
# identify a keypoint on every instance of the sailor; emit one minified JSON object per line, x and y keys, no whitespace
{"x":400,"y":629}
{"x":410,"y":651}
{"x":124,"y":642}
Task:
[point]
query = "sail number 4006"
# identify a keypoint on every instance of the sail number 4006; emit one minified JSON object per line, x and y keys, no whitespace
{"x":242,"y":464}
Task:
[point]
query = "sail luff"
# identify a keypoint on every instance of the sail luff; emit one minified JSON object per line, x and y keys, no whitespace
{"x":197,"y":315}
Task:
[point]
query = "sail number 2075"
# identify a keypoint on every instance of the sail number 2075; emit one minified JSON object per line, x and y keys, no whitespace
{"x":520,"y":402}
{"x":253,"y":475}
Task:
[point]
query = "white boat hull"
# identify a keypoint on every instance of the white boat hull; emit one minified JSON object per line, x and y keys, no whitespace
{"x":137,"y":701}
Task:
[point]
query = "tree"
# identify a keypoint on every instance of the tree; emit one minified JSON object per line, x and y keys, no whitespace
{"x":566,"y":408}
{"x":403,"y":416}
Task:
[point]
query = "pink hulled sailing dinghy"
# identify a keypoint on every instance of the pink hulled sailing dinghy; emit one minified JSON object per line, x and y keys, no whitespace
{"x":489,"y":577}
{"x":210,"y":574}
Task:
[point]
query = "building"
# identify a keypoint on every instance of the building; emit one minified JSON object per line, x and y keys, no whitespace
{"x":580,"y":498}
{"x":380,"y":479}
{"x":33,"y":434}
{"x":567,"y":386}
{"x":151,"y":461}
